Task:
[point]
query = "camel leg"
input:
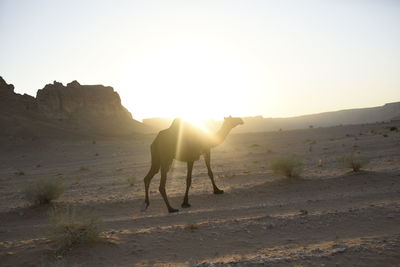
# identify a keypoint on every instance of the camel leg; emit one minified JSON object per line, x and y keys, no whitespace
{"x":153,"y":171}
{"x":164,"y":170}
{"x":207,"y":159}
{"x":185,"y":203}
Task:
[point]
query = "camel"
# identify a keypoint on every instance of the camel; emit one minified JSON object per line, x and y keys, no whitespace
{"x":184,"y":143}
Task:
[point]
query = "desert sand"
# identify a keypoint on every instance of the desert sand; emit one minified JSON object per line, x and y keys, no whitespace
{"x":330,"y":216}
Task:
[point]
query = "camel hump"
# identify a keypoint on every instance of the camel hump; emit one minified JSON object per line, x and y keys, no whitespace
{"x":176,"y":123}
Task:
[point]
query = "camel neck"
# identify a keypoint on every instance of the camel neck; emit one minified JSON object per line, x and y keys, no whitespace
{"x":221,"y":135}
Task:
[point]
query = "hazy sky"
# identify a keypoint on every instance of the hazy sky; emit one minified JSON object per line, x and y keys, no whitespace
{"x":209,"y":58}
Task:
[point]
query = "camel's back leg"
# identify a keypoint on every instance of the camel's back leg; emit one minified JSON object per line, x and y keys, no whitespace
{"x":207,"y":159}
{"x":185,"y":203}
{"x":155,"y":167}
{"x":164,"y":170}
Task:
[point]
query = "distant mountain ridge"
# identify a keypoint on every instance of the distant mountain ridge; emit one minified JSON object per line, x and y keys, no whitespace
{"x":387,"y":112}
{"x":70,"y":109}
{"x":60,"y":110}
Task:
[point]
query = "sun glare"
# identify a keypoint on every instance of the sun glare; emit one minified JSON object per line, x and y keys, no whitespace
{"x":197,"y":121}
{"x":188,"y":81}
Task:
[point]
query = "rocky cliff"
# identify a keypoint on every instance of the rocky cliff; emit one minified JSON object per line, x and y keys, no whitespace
{"x":10,"y":102}
{"x":76,"y":101}
{"x":84,"y":109}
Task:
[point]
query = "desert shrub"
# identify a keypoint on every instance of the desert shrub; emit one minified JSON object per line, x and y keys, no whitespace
{"x":43,"y":191}
{"x":70,"y":227}
{"x":393,"y":128}
{"x":131,"y":180}
{"x":19,"y":173}
{"x":353,"y":161}
{"x":84,"y":168}
{"x":290,"y":166}
{"x":191,"y":226}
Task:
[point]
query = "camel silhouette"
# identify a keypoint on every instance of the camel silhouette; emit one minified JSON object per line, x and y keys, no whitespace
{"x":184,"y":142}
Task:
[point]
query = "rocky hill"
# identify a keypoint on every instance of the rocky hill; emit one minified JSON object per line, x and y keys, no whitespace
{"x":59,"y":110}
{"x":387,"y":112}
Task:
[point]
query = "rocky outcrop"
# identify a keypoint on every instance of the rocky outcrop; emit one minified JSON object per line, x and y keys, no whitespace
{"x":10,"y":102}
{"x":76,"y":101}
{"x":87,"y":109}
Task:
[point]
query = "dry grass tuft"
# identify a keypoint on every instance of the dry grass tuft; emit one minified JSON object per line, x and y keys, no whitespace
{"x":353,"y":161}
{"x":192,"y":226}
{"x":44,"y":191}
{"x":131,"y":180}
{"x":69,"y":227}
{"x":84,"y":168}
{"x":290,"y":166}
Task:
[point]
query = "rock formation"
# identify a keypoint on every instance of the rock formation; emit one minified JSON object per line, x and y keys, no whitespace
{"x":15,"y":103}
{"x":74,"y":101}
{"x":85,"y":109}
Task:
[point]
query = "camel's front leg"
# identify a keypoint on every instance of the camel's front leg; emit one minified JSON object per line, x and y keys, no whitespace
{"x":163,"y":181}
{"x":207,"y":159}
{"x":185,"y":203}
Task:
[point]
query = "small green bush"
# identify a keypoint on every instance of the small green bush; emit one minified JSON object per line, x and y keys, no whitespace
{"x":70,"y":227}
{"x":43,"y":191}
{"x":353,"y":161}
{"x":290,"y":166}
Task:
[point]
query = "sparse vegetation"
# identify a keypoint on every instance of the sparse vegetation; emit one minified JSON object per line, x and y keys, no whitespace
{"x":320,"y":163}
{"x":192,"y":226}
{"x":84,"y":168}
{"x":393,"y":129}
{"x":353,"y":161}
{"x":131,"y":180}
{"x":19,"y":173}
{"x":255,"y":145}
{"x":70,"y":227}
{"x":290,"y":166}
{"x":43,"y":191}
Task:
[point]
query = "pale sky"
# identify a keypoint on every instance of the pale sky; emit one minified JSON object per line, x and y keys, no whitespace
{"x":209,"y":58}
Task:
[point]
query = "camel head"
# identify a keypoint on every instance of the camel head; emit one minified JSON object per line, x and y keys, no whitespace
{"x":233,"y":121}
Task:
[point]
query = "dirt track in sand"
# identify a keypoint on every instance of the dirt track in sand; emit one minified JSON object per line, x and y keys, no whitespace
{"x":331,"y":216}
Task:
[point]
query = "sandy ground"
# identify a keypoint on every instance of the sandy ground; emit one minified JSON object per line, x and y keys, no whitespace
{"x":329,"y":217}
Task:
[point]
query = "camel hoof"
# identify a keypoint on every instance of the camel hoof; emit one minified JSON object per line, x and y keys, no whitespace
{"x":144,"y":207}
{"x":172,"y":210}
{"x":185,"y":205}
{"x":218,"y":191}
